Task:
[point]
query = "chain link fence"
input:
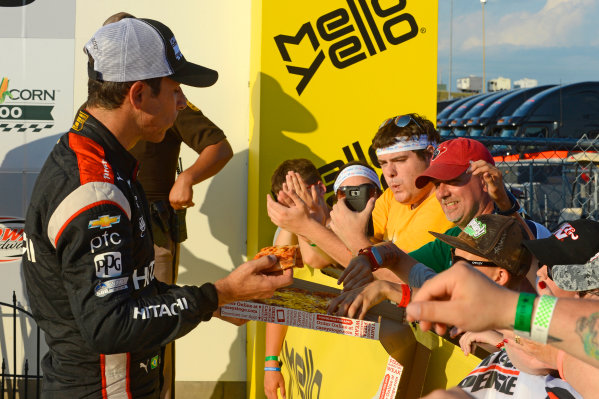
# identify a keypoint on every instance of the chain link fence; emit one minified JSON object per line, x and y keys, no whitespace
{"x":555,"y":180}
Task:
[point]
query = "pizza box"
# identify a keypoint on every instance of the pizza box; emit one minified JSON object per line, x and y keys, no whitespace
{"x":383,"y":314}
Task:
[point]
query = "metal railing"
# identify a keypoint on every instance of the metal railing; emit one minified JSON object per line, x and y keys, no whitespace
{"x":13,"y":383}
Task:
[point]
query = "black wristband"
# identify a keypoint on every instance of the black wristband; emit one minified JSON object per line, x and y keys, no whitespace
{"x":513,"y":209}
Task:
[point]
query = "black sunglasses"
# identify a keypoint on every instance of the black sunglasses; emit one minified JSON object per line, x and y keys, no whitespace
{"x":455,"y":258}
{"x":401,"y":121}
{"x":549,"y":274}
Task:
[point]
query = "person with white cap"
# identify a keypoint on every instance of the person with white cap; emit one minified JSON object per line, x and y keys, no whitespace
{"x":294,"y":215}
{"x":89,"y":259}
{"x":299,"y":178}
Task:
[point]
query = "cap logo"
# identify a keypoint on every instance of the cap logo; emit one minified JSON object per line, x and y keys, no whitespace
{"x":438,"y":151}
{"x":475,"y":228}
{"x":175,"y":46}
{"x":564,"y":231}
{"x":596,"y":256}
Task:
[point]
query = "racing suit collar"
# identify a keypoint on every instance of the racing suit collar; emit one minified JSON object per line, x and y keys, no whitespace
{"x":116,"y":154}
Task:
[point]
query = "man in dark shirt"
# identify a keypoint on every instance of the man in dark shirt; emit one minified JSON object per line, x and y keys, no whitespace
{"x":169,"y":191}
{"x":89,"y":259}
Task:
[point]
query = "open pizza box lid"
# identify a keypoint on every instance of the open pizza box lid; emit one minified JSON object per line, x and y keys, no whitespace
{"x":385,"y":315}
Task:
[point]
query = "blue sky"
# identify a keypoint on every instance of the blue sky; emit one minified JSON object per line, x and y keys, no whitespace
{"x":547,"y":40}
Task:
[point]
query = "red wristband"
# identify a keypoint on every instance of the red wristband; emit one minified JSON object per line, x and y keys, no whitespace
{"x":374,"y":266}
{"x":406,"y":294}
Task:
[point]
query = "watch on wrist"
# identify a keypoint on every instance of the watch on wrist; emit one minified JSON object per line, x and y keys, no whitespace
{"x":515,"y":206}
{"x":373,"y":257}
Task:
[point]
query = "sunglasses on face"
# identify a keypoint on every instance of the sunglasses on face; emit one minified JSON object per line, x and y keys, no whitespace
{"x":549,"y":274}
{"x":401,"y":121}
{"x":366,"y":189}
{"x":455,"y":258}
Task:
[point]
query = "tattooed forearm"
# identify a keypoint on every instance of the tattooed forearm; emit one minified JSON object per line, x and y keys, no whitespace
{"x":587,"y":329}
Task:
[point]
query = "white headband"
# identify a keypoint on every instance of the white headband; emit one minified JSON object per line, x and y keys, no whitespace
{"x":404,"y":143}
{"x":356,"y":170}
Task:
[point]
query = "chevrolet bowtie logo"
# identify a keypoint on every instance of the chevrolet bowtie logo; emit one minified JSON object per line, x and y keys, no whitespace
{"x":103,"y":222}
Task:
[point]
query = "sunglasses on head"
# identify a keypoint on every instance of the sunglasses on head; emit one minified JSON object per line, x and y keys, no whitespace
{"x":401,"y":121}
{"x":455,"y":258}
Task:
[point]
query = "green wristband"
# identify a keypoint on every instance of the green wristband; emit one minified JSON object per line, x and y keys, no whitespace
{"x":275,"y":358}
{"x":523,"y":320}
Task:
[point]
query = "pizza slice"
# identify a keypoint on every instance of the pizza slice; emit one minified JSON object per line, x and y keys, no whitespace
{"x":288,"y":256}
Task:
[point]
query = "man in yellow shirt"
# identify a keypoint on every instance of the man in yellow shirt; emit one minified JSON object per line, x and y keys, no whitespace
{"x":404,"y":213}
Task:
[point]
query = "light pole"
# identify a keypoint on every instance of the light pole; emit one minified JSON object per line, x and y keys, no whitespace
{"x":450,"y":48}
{"x":482,"y":2}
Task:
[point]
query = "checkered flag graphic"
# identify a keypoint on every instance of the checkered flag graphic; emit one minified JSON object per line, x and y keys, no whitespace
{"x":24,"y":127}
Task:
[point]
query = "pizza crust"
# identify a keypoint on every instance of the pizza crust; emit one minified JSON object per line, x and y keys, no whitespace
{"x":288,"y":256}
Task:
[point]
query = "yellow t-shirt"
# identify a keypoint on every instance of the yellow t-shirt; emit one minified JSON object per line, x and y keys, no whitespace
{"x":408,"y":228}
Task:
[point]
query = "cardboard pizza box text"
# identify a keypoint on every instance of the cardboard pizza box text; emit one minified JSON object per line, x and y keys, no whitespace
{"x":384,"y":322}
{"x":369,"y":328}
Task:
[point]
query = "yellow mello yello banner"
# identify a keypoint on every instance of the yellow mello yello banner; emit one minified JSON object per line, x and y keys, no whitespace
{"x":324,"y":75}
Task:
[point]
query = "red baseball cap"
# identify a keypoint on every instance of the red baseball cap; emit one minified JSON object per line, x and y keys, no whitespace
{"x":452,"y":158}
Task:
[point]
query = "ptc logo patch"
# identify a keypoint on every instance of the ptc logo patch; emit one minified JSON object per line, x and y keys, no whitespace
{"x":475,"y":228}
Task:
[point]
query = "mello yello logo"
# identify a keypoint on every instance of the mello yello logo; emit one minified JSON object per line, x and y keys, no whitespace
{"x":304,"y":378}
{"x":355,"y":32}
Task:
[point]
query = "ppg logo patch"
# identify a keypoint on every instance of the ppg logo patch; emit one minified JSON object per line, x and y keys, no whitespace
{"x":108,"y":264}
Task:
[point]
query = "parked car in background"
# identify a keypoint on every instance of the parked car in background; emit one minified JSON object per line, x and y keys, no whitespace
{"x":486,"y":123}
{"x":444,"y":115}
{"x":456,"y":115}
{"x":441,"y":105}
{"x":459,"y":128}
{"x":562,"y":111}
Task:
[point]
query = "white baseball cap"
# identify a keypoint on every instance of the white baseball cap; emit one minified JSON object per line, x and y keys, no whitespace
{"x":137,"y":49}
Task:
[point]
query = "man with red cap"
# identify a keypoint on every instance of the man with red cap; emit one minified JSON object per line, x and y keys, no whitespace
{"x":467,"y":185}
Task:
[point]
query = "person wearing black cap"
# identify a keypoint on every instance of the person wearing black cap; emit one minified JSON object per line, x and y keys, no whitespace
{"x":566,"y":274}
{"x":89,"y":259}
{"x":169,"y":191}
{"x":570,"y":255}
